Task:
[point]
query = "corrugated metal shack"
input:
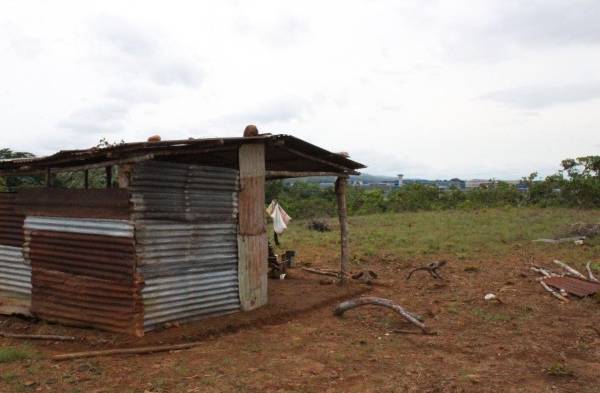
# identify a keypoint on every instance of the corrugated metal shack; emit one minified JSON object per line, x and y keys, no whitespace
{"x":178,"y":235}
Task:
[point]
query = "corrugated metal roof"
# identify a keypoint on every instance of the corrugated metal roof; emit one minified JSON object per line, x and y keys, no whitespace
{"x":575,"y":286}
{"x":283,"y":153}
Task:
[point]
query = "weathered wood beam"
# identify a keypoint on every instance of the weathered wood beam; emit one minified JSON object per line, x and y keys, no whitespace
{"x":48,"y":179}
{"x":317,"y":159}
{"x":252,"y":231}
{"x":108,"y":176}
{"x":283,"y":174}
{"x":340,"y":191}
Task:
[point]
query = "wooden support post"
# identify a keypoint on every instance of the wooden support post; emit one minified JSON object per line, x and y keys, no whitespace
{"x":86,"y":179}
{"x":48,"y":177}
{"x":340,"y":191}
{"x":108,"y":176}
{"x":252,"y":231}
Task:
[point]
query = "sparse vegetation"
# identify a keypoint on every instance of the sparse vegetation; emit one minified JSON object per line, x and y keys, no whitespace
{"x":13,"y":354}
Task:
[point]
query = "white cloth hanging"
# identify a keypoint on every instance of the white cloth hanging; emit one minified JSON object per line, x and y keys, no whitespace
{"x":279,"y":216}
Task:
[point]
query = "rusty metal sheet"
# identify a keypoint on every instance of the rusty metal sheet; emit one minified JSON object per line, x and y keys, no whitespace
{"x":11,"y":222}
{"x":83,"y":272}
{"x":107,"y":257}
{"x":284,"y":152}
{"x":575,"y":286}
{"x":86,"y":301}
{"x":97,"y":203}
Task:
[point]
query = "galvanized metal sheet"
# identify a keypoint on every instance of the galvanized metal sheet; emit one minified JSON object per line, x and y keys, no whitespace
{"x":186,"y":240}
{"x":15,"y":274}
{"x":90,"y":226}
{"x":55,"y":202}
{"x":181,"y":192}
{"x":190,"y":295}
{"x":11,"y":222}
{"x":575,"y":286}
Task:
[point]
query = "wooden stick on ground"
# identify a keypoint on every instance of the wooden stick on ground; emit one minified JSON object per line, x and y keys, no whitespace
{"x":541,"y":271}
{"x":125,"y":351}
{"x":569,"y":269}
{"x":377,"y":301}
{"x":553,"y":292}
{"x":432,"y":268}
{"x":321,"y":272}
{"x":589,"y":271}
{"x":37,"y":336}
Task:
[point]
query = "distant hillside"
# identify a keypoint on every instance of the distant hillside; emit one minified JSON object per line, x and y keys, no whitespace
{"x":331,"y":179}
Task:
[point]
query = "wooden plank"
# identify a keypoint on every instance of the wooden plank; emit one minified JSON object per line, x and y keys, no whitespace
{"x":252,"y":234}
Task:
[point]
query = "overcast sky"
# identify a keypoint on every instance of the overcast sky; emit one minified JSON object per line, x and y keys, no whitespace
{"x":431,"y":89}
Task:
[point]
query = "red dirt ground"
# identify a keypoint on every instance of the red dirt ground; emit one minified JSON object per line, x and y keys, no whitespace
{"x":531,"y":343}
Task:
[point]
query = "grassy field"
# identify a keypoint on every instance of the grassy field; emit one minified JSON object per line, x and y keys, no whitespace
{"x":529,"y":343}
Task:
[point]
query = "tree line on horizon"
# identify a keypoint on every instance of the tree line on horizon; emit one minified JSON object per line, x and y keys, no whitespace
{"x":576,"y":185}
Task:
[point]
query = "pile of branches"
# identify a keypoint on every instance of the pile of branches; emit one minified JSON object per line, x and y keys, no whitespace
{"x":583,"y":229}
{"x":319,"y":226}
{"x":569,"y":271}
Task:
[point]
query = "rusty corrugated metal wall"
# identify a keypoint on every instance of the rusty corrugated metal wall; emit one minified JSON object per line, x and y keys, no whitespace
{"x":83,"y":267}
{"x":15,"y":273}
{"x":186,"y":240}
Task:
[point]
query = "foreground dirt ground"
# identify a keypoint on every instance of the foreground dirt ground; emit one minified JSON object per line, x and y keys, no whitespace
{"x":530,"y":343}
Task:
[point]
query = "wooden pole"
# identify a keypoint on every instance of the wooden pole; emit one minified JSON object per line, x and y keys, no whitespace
{"x":340,"y":191}
{"x":86,"y":179}
{"x":48,"y":177}
{"x":108,"y":176}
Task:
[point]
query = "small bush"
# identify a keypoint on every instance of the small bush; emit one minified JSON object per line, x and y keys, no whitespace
{"x":12,"y":354}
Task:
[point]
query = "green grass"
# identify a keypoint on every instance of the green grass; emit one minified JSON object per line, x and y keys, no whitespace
{"x":457,"y":234}
{"x":13,"y":354}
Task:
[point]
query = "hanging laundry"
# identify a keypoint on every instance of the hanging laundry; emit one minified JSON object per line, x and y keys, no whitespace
{"x":279,"y":216}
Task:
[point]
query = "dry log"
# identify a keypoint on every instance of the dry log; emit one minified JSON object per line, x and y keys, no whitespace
{"x":125,"y":351}
{"x":432,"y":268}
{"x":377,"y":301}
{"x":589,"y":271}
{"x":569,"y":269}
{"x":553,"y":292}
{"x":37,"y":336}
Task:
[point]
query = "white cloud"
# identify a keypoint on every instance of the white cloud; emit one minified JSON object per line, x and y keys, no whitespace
{"x":425,"y":88}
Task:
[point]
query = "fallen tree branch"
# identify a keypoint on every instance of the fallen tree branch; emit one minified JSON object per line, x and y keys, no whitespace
{"x":543,"y":271}
{"x":377,"y":301}
{"x":561,"y":240}
{"x":553,"y":292}
{"x":321,"y":272}
{"x":432,"y":268}
{"x":589,"y":271}
{"x":569,"y":269}
{"x":125,"y":351}
{"x":37,"y":336}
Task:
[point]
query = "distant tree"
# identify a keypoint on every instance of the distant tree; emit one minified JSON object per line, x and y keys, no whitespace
{"x":12,"y":183}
